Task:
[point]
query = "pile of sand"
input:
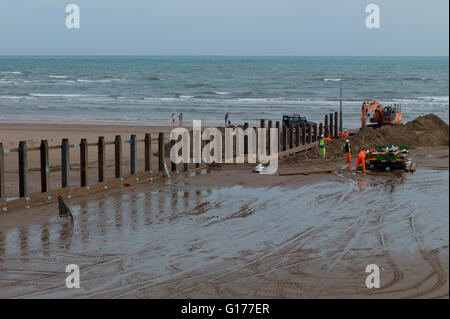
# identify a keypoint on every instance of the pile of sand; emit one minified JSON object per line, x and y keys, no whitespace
{"x":427,"y":130}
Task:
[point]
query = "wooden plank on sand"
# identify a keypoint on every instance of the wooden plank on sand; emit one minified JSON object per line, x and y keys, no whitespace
{"x":308,"y":171}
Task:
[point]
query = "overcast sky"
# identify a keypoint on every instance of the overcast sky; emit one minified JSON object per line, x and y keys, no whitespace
{"x":224,"y":27}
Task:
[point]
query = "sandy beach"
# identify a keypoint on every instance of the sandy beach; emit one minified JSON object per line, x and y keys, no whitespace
{"x":11,"y":134}
{"x":234,"y":234}
{"x":230,"y":233}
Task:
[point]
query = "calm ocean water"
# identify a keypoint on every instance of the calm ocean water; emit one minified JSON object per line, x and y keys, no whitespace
{"x":147,"y":90}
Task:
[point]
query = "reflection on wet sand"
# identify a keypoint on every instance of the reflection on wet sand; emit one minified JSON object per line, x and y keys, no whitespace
{"x":186,"y":241}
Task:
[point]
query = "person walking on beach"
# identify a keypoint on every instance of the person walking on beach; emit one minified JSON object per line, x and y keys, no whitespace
{"x":322,"y":146}
{"x":348,"y":154}
{"x":180,"y":119}
{"x":173,"y":119}
{"x":361,"y":160}
{"x":227,"y":116}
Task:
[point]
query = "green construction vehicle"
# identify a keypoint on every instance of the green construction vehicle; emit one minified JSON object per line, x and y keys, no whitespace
{"x":389,"y":156}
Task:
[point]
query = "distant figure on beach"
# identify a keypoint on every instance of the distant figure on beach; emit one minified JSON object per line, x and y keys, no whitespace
{"x":345,"y":134}
{"x":180,"y":119}
{"x":348,"y":154}
{"x":173,"y":119}
{"x":64,"y":211}
{"x":227,"y":119}
{"x":322,"y":146}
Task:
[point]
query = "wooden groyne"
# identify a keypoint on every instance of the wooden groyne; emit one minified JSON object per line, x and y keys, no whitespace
{"x":293,"y":139}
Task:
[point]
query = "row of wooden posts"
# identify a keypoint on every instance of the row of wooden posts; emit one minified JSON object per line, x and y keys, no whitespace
{"x":65,"y":147}
{"x":309,"y":134}
{"x":305,"y":134}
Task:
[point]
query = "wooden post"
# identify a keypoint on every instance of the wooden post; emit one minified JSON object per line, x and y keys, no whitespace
{"x":303,"y":133}
{"x":315,"y":132}
{"x":291,"y":136}
{"x":148,"y":152}
{"x":173,"y":166}
{"x":45,"y":168}
{"x":245,"y":140}
{"x":309,"y":133}
{"x":262,"y":123}
{"x":196,"y":136}
{"x":336,"y":124}
{"x":320,"y":129}
{"x":284,"y":137}
{"x":23,"y":168}
{"x":269,"y":126}
{"x":331,"y":126}
{"x":101,"y":159}
{"x":118,"y":156}
{"x":83,"y":162}
{"x":277,"y":125}
{"x":2,"y":174}
{"x":161,"y":152}
{"x":133,"y":156}
{"x":297,"y":134}
{"x":326,"y":126}
{"x":65,"y":162}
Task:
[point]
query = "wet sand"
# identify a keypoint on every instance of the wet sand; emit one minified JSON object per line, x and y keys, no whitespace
{"x":235,"y":234}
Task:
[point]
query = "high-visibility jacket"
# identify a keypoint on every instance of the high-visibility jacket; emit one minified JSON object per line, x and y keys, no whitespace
{"x":321,"y":142}
{"x":362,"y":155}
{"x":347,"y":148}
{"x":344,"y":135}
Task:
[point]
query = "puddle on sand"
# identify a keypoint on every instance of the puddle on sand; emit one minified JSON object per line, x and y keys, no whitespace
{"x":139,"y":242}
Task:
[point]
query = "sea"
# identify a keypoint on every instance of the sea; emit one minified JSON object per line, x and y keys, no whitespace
{"x":146,"y":90}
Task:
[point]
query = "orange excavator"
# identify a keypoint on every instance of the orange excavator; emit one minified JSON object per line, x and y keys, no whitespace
{"x":379,"y":115}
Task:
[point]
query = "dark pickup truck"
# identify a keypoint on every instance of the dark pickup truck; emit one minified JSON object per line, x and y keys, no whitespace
{"x":295,"y":119}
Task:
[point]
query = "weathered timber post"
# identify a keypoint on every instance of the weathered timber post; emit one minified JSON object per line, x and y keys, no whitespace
{"x":65,"y":162}
{"x":2,"y":173}
{"x":326,"y":126}
{"x":309,"y":133}
{"x":161,"y":152}
{"x":133,"y":155}
{"x":23,"y":168}
{"x":331,"y":126}
{"x":173,"y":166}
{"x":277,"y":125}
{"x":101,"y":159}
{"x":84,"y":162}
{"x":336,"y":124}
{"x":303,"y":133}
{"x":291,"y":136}
{"x":118,"y":156}
{"x":148,"y":151}
{"x":269,"y":126}
{"x":45,"y":168}
{"x":284,"y":137}
{"x":315,"y":132}
{"x":245,"y":140}
{"x":262,"y":123}
{"x":320,"y":129}
{"x":297,"y":135}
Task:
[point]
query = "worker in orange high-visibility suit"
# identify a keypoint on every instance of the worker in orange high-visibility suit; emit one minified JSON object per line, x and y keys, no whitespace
{"x":361,"y":159}
{"x":348,"y":154}
{"x":345,"y":135}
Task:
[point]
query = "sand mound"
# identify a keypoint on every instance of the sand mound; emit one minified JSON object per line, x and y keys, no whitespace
{"x":427,"y":130}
